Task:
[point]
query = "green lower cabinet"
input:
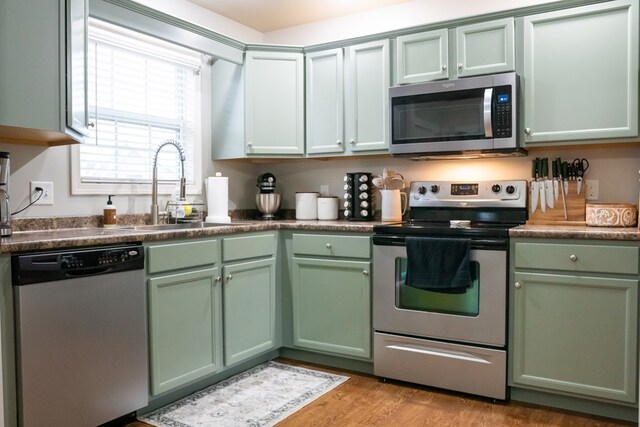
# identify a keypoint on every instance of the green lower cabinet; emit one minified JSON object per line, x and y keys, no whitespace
{"x":576,"y":334}
{"x":185,"y":325}
{"x":332,"y":306}
{"x":249,"y":306}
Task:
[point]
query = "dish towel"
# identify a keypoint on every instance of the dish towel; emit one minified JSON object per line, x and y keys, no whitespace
{"x":438,"y":265}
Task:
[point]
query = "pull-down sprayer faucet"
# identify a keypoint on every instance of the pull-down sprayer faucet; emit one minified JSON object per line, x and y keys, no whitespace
{"x":154,"y":185}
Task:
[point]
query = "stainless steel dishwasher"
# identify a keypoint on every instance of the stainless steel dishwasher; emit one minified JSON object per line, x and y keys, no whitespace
{"x":81,"y":335}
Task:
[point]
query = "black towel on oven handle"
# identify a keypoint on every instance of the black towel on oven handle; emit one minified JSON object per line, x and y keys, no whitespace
{"x":438,"y":264}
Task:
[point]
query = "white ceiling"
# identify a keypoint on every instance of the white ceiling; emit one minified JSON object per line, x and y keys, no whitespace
{"x":270,"y":15}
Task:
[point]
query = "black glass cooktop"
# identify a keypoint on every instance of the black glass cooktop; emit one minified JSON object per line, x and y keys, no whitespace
{"x":428,"y":228}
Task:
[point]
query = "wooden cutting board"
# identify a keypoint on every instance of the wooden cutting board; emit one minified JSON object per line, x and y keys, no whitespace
{"x":576,"y":208}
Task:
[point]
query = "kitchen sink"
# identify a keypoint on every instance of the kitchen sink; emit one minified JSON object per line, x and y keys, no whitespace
{"x":169,"y":227}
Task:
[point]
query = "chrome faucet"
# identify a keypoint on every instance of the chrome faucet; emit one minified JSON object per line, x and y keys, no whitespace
{"x":154,"y":185}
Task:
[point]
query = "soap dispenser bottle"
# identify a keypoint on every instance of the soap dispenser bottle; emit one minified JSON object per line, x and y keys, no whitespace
{"x":109,"y":214}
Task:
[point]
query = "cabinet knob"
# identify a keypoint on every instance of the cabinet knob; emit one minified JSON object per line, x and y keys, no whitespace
{"x":328,"y":245}
{"x":229,"y":277}
{"x":444,"y":67}
{"x":365,"y":273}
{"x":91,"y":124}
{"x":250,"y":145}
{"x":339,"y":142}
{"x":527,"y":131}
{"x":460,"y":66}
{"x":517,"y":285}
{"x":218,"y":279}
{"x":573,"y":258}
{"x":352,"y":141}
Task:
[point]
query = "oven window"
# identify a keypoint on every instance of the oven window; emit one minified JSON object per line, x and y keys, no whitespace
{"x":439,"y":117}
{"x":408,"y":298}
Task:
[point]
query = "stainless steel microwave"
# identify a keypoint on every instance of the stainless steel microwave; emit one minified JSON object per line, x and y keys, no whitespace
{"x":470,"y":117}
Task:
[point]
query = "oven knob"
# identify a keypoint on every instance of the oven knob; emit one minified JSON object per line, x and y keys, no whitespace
{"x":434,"y":189}
{"x":422,"y":190}
{"x":496,"y":188}
{"x":510,"y":189}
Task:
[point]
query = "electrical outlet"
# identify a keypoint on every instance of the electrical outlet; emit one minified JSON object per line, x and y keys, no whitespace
{"x":47,"y":192}
{"x":592,"y":189}
{"x":324,"y":189}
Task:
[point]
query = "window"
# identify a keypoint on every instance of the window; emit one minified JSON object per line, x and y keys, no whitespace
{"x":142,"y":92}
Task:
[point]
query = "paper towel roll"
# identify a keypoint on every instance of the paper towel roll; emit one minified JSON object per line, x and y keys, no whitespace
{"x":218,"y":199}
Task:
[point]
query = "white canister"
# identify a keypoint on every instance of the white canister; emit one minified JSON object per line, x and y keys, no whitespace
{"x":307,"y":205}
{"x":327,"y":207}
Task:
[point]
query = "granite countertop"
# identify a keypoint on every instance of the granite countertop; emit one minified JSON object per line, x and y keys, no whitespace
{"x":89,"y":236}
{"x":575,"y":232}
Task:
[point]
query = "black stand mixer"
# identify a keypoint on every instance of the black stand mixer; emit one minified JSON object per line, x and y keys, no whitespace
{"x":267,"y":201}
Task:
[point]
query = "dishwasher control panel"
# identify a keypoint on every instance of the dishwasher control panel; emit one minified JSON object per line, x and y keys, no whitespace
{"x":48,"y":266}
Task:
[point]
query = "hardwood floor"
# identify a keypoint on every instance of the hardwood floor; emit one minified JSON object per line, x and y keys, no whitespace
{"x":365,"y":401}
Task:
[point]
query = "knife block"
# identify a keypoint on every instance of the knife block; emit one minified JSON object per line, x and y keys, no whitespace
{"x":576,"y":208}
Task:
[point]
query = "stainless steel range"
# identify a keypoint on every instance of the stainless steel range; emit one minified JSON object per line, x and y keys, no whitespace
{"x":425,"y":331}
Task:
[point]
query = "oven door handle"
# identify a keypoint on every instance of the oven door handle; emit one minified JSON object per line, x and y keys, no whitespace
{"x":475,"y":243}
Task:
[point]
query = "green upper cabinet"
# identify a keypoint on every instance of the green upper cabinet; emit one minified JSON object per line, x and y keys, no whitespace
{"x":422,"y":57}
{"x":367,"y":84}
{"x":43,"y":71}
{"x":580,"y":73}
{"x":274,"y":103}
{"x":325,"y":102}
{"x":484,"y":48}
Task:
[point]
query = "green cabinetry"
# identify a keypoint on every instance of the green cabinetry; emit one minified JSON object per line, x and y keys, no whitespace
{"x":580,"y":73}
{"x":185,"y":312}
{"x":482,"y":48}
{"x":249,"y":296}
{"x":43,"y":71}
{"x":332,"y":294}
{"x":574,"y":326}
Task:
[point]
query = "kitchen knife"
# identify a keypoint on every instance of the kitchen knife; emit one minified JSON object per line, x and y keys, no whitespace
{"x":543,"y":205}
{"x":555,"y":173}
{"x":533,"y":199}
{"x":548,"y":184}
{"x":562,"y":180}
{"x":565,"y":177}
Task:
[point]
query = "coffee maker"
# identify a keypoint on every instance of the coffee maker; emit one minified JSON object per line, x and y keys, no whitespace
{"x":267,"y":201}
{"x":5,"y":215}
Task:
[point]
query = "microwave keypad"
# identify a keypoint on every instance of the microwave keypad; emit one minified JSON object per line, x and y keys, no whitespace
{"x":502,"y":127}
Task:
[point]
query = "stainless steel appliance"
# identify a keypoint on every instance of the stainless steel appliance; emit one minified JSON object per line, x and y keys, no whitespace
{"x":455,"y":341}
{"x":5,"y":215}
{"x":267,"y":201}
{"x":471,"y":117}
{"x":81,"y":335}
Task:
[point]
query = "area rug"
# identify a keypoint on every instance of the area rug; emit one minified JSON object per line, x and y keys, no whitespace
{"x":261,"y":396}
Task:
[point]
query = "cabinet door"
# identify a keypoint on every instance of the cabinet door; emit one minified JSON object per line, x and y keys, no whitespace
{"x":331,"y":306}
{"x":580,"y":74}
{"x":367,"y":96}
{"x":249,"y":307}
{"x":487,"y":47}
{"x":76,"y":41}
{"x":422,"y":57}
{"x":576,"y":335}
{"x":185,"y":325}
{"x":274,"y":91}
{"x":325,"y":102}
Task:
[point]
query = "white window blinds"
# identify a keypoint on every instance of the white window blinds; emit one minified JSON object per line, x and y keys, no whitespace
{"x":142,"y":92}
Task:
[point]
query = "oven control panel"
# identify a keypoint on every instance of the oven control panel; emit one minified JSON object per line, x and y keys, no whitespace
{"x":498,"y":193}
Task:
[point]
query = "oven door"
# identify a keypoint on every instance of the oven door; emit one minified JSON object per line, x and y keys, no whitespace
{"x":476,"y":316}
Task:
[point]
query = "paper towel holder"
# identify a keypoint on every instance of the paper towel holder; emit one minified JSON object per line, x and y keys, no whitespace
{"x":217,"y":188}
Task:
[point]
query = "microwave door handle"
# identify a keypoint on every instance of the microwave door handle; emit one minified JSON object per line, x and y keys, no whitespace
{"x":488,"y":98}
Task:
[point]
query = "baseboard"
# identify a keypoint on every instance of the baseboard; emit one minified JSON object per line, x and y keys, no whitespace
{"x":361,"y":366}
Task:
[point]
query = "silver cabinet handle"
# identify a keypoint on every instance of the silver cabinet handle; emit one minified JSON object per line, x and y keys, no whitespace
{"x":527,"y":131}
{"x":517,"y":285}
{"x":250,"y":144}
{"x":91,"y":124}
{"x":229,"y":277}
{"x":459,"y":66}
{"x":352,"y":141}
{"x":218,"y":279}
{"x":444,"y":67}
{"x":365,"y":273}
{"x":328,"y":245}
{"x":573,"y":258}
{"x":339,"y":142}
